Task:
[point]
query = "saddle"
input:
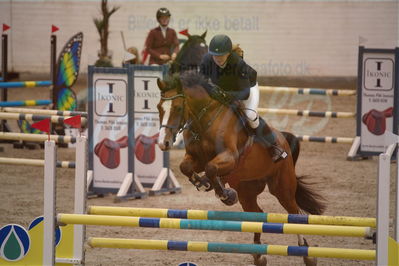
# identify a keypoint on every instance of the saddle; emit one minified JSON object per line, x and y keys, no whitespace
{"x":108,"y":151}
{"x":376,"y":120}
{"x":145,"y":148}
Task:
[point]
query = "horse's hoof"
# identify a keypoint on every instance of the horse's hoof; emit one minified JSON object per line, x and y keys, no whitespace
{"x":259,"y":260}
{"x":310,"y":261}
{"x":230,"y":196}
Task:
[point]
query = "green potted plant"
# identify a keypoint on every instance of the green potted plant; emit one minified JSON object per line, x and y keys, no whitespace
{"x":102,"y":25}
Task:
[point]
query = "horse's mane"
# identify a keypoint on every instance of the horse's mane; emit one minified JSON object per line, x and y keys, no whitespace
{"x":195,"y":84}
{"x":190,"y":79}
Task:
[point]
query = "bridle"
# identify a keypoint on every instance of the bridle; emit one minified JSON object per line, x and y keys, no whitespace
{"x":181,"y":126}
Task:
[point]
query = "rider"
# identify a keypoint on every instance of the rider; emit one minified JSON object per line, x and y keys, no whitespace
{"x":162,"y":43}
{"x":237,"y":80}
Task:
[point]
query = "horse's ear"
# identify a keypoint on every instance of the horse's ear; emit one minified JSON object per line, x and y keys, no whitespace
{"x":161,"y":84}
{"x":204,"y":34}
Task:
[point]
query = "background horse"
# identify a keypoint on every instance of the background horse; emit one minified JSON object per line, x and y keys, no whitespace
{"x":190,"y":54}
{"x":218,"y":144}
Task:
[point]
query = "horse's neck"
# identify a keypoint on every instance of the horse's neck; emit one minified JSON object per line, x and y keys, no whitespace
{"x":200,"y":110}
{"x":217,"y":120}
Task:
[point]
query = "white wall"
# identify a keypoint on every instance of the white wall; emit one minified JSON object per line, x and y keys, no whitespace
{"x":289,"y":38}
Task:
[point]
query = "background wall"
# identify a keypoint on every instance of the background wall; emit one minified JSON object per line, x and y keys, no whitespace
{"x":280,"y":38}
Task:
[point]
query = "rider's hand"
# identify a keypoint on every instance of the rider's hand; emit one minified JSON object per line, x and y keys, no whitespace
{"x":164,"y":57}
{"x":173,"y":56}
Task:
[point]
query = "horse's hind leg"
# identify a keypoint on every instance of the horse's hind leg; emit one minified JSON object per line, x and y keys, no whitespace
{"x":284,"y":190}
{"x":247,"y":196}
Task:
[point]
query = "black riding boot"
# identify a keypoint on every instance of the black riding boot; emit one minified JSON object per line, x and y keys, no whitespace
{"x":267,"y":138}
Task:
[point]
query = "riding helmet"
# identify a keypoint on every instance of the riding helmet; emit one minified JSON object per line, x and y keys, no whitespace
{"x":163,"y":11}
{"x":220,"y":45}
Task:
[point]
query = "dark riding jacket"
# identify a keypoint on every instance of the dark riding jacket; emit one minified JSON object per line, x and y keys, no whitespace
{"x":235,"y":78}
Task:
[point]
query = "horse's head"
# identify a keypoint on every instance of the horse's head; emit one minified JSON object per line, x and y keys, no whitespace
{"x":191,"y":54}
{"x":171,"y":111}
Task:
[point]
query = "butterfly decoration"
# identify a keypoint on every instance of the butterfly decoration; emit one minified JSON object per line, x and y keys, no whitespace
{"x":67,"y":73}
{"x":68,"y":64}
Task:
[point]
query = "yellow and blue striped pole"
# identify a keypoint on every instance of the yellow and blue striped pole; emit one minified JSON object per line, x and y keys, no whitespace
{"x":252,"y":227}
{"x":25,"y":103}
{"x":25,"y":84}
{"x":341,"y":253}
{"x":233,"y":216}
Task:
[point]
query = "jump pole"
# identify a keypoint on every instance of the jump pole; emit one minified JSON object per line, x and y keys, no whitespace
{"x":35,"y":162}
{"x":307,"y":113}
{"x":235,"y":226}
{"x":307,"y":91}
{"x":55,"y":119}
{"x":42,"y":111}
{"x":36,"y":137}
{"x":342,"y":253}
{"x":25,"y":103}
{"x":25,"y":84}
{"x":327,"y":139}
{"x":233,"y":216}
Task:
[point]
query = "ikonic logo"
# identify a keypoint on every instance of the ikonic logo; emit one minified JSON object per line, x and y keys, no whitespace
{"x":111,"y":97}
{"x":379,"y":74}
{"x":146,"y":96}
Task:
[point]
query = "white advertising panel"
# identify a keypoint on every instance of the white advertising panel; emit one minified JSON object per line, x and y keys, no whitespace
{"x":110,"y":129}
{"x":148,"y":158}
{"x":377,"y":100}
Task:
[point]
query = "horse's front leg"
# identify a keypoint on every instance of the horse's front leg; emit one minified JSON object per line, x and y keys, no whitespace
{"x":222,"y":165}
{"x":190,"y":167}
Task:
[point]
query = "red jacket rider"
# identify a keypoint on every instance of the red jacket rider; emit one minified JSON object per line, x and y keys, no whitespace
{"x":162,"y":43}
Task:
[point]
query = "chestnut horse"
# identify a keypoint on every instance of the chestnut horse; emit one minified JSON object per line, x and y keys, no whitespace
{"x":218,"y":144}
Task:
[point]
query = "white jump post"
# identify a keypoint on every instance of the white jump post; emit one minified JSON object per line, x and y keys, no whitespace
{"x":50,"y":184}
{"x":50,"y":157}
{"x":383,"y":195}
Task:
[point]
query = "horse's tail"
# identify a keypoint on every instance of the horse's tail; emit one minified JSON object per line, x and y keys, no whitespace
{"x":307,"y":198}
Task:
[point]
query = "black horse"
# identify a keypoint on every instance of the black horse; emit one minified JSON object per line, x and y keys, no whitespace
{"x":190,"y":55}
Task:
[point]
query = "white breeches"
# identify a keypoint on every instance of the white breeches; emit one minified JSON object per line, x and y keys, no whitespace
{"x":251,"y":106}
